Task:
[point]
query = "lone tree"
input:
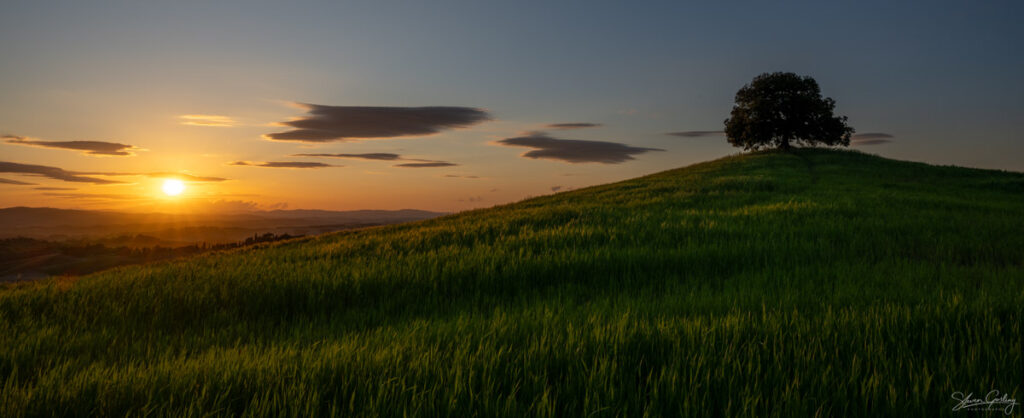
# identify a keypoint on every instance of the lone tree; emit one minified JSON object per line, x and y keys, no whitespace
{"x":780,"y":109}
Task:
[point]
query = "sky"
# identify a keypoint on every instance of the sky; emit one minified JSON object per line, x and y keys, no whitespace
{"x":450,"y":106}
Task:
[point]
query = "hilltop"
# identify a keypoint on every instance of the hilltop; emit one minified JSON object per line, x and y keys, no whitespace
{"x":814,"y":282}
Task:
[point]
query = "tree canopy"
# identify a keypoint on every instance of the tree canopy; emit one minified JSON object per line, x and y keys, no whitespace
{"x":784,"y":109}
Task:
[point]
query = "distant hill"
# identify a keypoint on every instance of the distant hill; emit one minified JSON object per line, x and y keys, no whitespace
{"x":60,"y":224}
{"x":809,"y":283}
{"x":21,"y":216}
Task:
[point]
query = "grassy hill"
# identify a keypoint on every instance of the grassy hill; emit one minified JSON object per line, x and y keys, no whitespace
{"x":796,"y":284}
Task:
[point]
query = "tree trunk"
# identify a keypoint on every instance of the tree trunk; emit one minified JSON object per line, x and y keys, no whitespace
{"x":784,"y":145}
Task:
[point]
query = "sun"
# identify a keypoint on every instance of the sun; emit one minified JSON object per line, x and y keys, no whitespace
{"x":173,"y":187}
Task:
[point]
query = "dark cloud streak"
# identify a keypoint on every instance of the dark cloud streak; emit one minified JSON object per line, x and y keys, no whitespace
{"x":574,"y":150}
{"x":414,"y":162}
{"x":873,"y":135}
{"x":51,"y":172}
{"x":427,"y":164}
{"x":346,"y":123}
{"x":15,"y":182}
{"x":88,"y":147}
{"x":574,"y":125}
{"x":871,"y":142}
{"x":696,"y":134}
{"x":368,"y":156}
{"x":282,"y":164}
{"x":871,"y":138}
{"x":86,"y":177}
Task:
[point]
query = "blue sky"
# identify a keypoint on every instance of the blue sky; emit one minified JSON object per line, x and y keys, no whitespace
{"x":943,"y":79}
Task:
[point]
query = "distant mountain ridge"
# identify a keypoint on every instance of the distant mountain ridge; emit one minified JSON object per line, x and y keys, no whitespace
{"x":53,"y":223}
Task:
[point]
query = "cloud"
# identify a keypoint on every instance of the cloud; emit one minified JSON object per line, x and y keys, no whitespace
{"x":427,"y":164}
{"x":873,"y":135}
{"x":871,"y":138}
{"x":86,"y":177}
{"x":460,"y":176}
{"x":556,"y":188}
{"x":282,"y":164}
{"x":51,"y":172}
{"x":573,"y":125}
{"x":415,"y":163}
{"x":180,"y":176}
{"x":369,"y":156}
{"x":20,"y":183}
{"x":347,"y":123}
{"x":230,"y":206}
{"x":574,"y":150}
{"x":93,"y":196}
{"x":237,"y":206}
{"x":87,"y":147}
{"x":696,"y":134}
{"x":870,"y":142}
{"x":277,"y":206}
{"x":54,"y":188}
{"x":207,"y":120}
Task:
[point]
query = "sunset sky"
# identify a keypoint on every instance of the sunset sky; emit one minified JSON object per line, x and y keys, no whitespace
{"x":455,"y":105}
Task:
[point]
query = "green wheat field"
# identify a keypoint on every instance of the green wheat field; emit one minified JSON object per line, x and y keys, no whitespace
{"x":807,"y":283}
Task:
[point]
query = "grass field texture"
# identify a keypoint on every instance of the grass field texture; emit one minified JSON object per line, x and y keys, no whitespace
{"x":809,"y":283}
